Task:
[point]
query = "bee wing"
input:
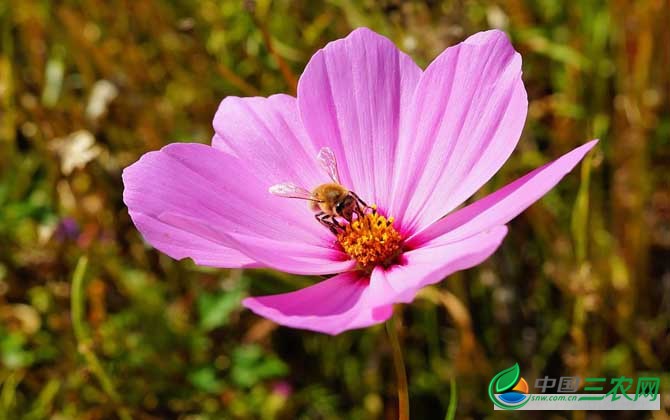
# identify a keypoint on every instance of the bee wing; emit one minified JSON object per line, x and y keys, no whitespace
{"x":326,"y":159}
{"x":290,"y":190}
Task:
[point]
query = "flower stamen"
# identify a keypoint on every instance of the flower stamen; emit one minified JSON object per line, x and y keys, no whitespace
{"x":371,"y":240}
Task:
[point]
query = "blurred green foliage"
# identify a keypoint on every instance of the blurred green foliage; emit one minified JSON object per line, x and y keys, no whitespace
{"x":581,"y":285}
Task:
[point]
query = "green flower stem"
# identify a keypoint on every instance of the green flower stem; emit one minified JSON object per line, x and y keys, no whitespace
{"x":399,"y":365}
{"x":453,"y":399}
{"x":84,"y":343}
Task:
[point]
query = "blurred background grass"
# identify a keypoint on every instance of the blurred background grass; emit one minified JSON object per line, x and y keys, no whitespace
{"x":581,"y":285}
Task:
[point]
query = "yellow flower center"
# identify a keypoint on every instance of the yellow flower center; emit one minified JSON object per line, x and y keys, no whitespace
{"x":371,"y":240}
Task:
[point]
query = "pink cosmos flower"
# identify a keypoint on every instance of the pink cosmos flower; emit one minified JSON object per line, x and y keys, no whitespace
{"x":415,"y":143}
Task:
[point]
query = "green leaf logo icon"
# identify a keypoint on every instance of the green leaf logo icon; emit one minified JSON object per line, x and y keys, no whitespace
{"x":507,"y":379}
{"x":503,"y":382}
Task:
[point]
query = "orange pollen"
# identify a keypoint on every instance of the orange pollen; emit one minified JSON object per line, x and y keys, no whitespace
{"x":371,"y":240}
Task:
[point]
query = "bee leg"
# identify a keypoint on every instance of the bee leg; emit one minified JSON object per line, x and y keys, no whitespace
{"x":359,"y":202}
{"x":335,"y":222}
{"x":322,"y":218}
{"x":359,"y":199}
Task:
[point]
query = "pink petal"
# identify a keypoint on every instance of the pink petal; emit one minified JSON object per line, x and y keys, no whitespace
{"x":293,"y":258}
{"x":432,"y":263}
{"x":467,"y":115}
{"x":503,"y":205}
{"x":350,"y":300}
{"x":268,"y":135}
{"x":178,"y":244}
{"x":334,"y":305}
{"x":351,"y":97}
{"x":187,"y":199}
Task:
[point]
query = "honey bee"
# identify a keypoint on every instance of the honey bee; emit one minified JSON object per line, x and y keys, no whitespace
{"x":330,"y":200}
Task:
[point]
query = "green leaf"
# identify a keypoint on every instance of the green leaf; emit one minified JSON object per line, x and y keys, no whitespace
{"x":215,"y":308}
{"x":251,"y":366}
{"x":506,"y":379}
{"x":205,"y":379}
{"x":13,"y":351}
